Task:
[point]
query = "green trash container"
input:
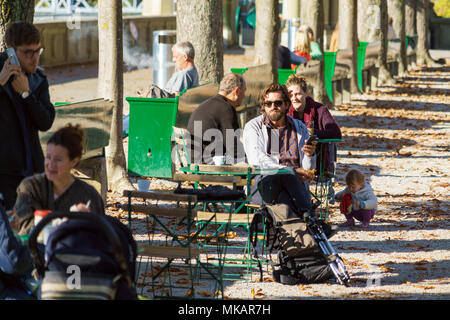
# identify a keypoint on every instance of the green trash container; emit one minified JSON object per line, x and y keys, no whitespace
{"x":329,"y":66}
{"x":413,"y":40}
{"x":239,"y":70}
{"x":150,"y":132}
{"x":361,"y":56}
{"x":283,"y":75}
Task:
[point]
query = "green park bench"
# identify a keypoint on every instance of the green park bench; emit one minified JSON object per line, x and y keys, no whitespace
{"x":95,"y":118}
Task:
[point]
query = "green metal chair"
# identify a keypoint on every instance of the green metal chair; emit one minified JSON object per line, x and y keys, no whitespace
{"x":169,"y":256}
{"x":226,"y":218}
{"x":322,"y":184}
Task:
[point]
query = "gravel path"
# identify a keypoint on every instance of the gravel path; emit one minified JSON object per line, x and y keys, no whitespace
{"x":399,"y":137}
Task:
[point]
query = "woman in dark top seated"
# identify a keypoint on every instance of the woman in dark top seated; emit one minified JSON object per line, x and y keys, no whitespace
{"x":56,"y":189}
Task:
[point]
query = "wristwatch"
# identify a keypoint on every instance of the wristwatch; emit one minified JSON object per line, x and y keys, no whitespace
{"x":25,"y":94}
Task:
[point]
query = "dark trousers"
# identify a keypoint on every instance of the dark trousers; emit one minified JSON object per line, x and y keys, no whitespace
{"x":8,"y":187}
{"x":287,"y":189}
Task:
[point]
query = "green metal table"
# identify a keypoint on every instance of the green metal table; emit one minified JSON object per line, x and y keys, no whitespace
{"x":227,"y":224}
{"x":249,"y":172}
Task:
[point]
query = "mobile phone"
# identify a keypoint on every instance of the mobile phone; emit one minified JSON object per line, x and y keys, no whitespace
{"x":14,"y":59}
{"x":311,"y":139}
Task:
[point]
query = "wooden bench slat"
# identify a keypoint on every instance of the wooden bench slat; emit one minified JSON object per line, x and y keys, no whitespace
{"x":159,"y":211}
{"x":212,"y":179}
{"x":206,"y":178}
{"x":224,"y":168}
{"x":167,"y":252}
{"x":159,"y":195}
{"x":225,"y":217}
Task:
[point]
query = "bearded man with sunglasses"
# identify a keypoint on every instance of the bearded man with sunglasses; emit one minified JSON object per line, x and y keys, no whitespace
{"x":25,"y":108}
{"x":274,"y":140}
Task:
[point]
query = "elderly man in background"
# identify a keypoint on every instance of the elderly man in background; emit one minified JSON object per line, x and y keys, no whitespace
{"x":184,"y":78}
{"x":314,"y":115}
{"x":214,"y":123}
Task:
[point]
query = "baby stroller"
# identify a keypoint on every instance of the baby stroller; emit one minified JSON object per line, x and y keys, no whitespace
{"x":88,"y":257}
{"x":304,"y":253}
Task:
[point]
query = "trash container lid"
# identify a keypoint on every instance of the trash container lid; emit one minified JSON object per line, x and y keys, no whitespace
{"x":164,"y":32}
{"x":164,"y":36}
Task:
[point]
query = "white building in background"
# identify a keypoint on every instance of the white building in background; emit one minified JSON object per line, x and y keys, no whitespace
{"x":54,"y":9}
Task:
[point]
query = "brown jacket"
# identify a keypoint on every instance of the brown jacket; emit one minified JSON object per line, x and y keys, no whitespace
{"x":36,"y":192}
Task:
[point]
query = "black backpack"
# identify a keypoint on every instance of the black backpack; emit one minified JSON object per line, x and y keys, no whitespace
{"x":300,"y":259}
{"x":89,"y":256}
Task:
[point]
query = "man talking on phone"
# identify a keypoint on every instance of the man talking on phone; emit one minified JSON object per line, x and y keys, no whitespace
{"x":25,"y":108}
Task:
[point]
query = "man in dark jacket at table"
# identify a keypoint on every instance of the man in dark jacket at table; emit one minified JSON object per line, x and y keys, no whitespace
{"x":214,"y":125}
{"x":25,"y":108}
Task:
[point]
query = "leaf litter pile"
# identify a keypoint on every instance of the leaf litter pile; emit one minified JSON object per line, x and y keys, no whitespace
{"x":398,"y":136}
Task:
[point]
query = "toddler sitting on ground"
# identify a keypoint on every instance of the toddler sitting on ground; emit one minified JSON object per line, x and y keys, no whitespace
{"x":358,"y":200}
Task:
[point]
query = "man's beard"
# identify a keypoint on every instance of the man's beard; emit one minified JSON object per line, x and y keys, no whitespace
{"x":276,"y":116}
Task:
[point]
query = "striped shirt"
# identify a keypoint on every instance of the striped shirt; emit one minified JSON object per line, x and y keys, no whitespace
{"x":288,"y":144}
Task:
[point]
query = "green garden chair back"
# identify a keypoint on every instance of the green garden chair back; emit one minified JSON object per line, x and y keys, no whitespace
{"x":361,"y":57}
{"x":329,"y":66}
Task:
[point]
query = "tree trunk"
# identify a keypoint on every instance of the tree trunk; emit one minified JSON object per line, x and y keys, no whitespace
{"x":201,"y":23}
{"x":422,"y":54}
{"x":11,"y":11}
{"x":266,"y":35}
{"x":348,"y":39}
{"x":410,"y":17}
{"x":110,"y":87}
{"x":384,"y":76}
{"x":397,"y":9}
{"x":315,"y":12}
{"x":368,"y":20}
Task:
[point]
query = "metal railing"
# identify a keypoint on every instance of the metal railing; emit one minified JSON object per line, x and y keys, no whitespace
{"x":68,"y":7}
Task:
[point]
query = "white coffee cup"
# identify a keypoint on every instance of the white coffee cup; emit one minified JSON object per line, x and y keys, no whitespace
{"x":219,"y":160}
{"x":143,"y":185}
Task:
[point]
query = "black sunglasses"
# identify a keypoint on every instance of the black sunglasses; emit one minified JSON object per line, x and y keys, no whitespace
{"x":277,"y":103}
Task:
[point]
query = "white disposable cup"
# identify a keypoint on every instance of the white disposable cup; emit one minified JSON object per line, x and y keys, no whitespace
{"x":219,"y":160}
{"x":38,"y":216}
{"x":143,"y":185}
